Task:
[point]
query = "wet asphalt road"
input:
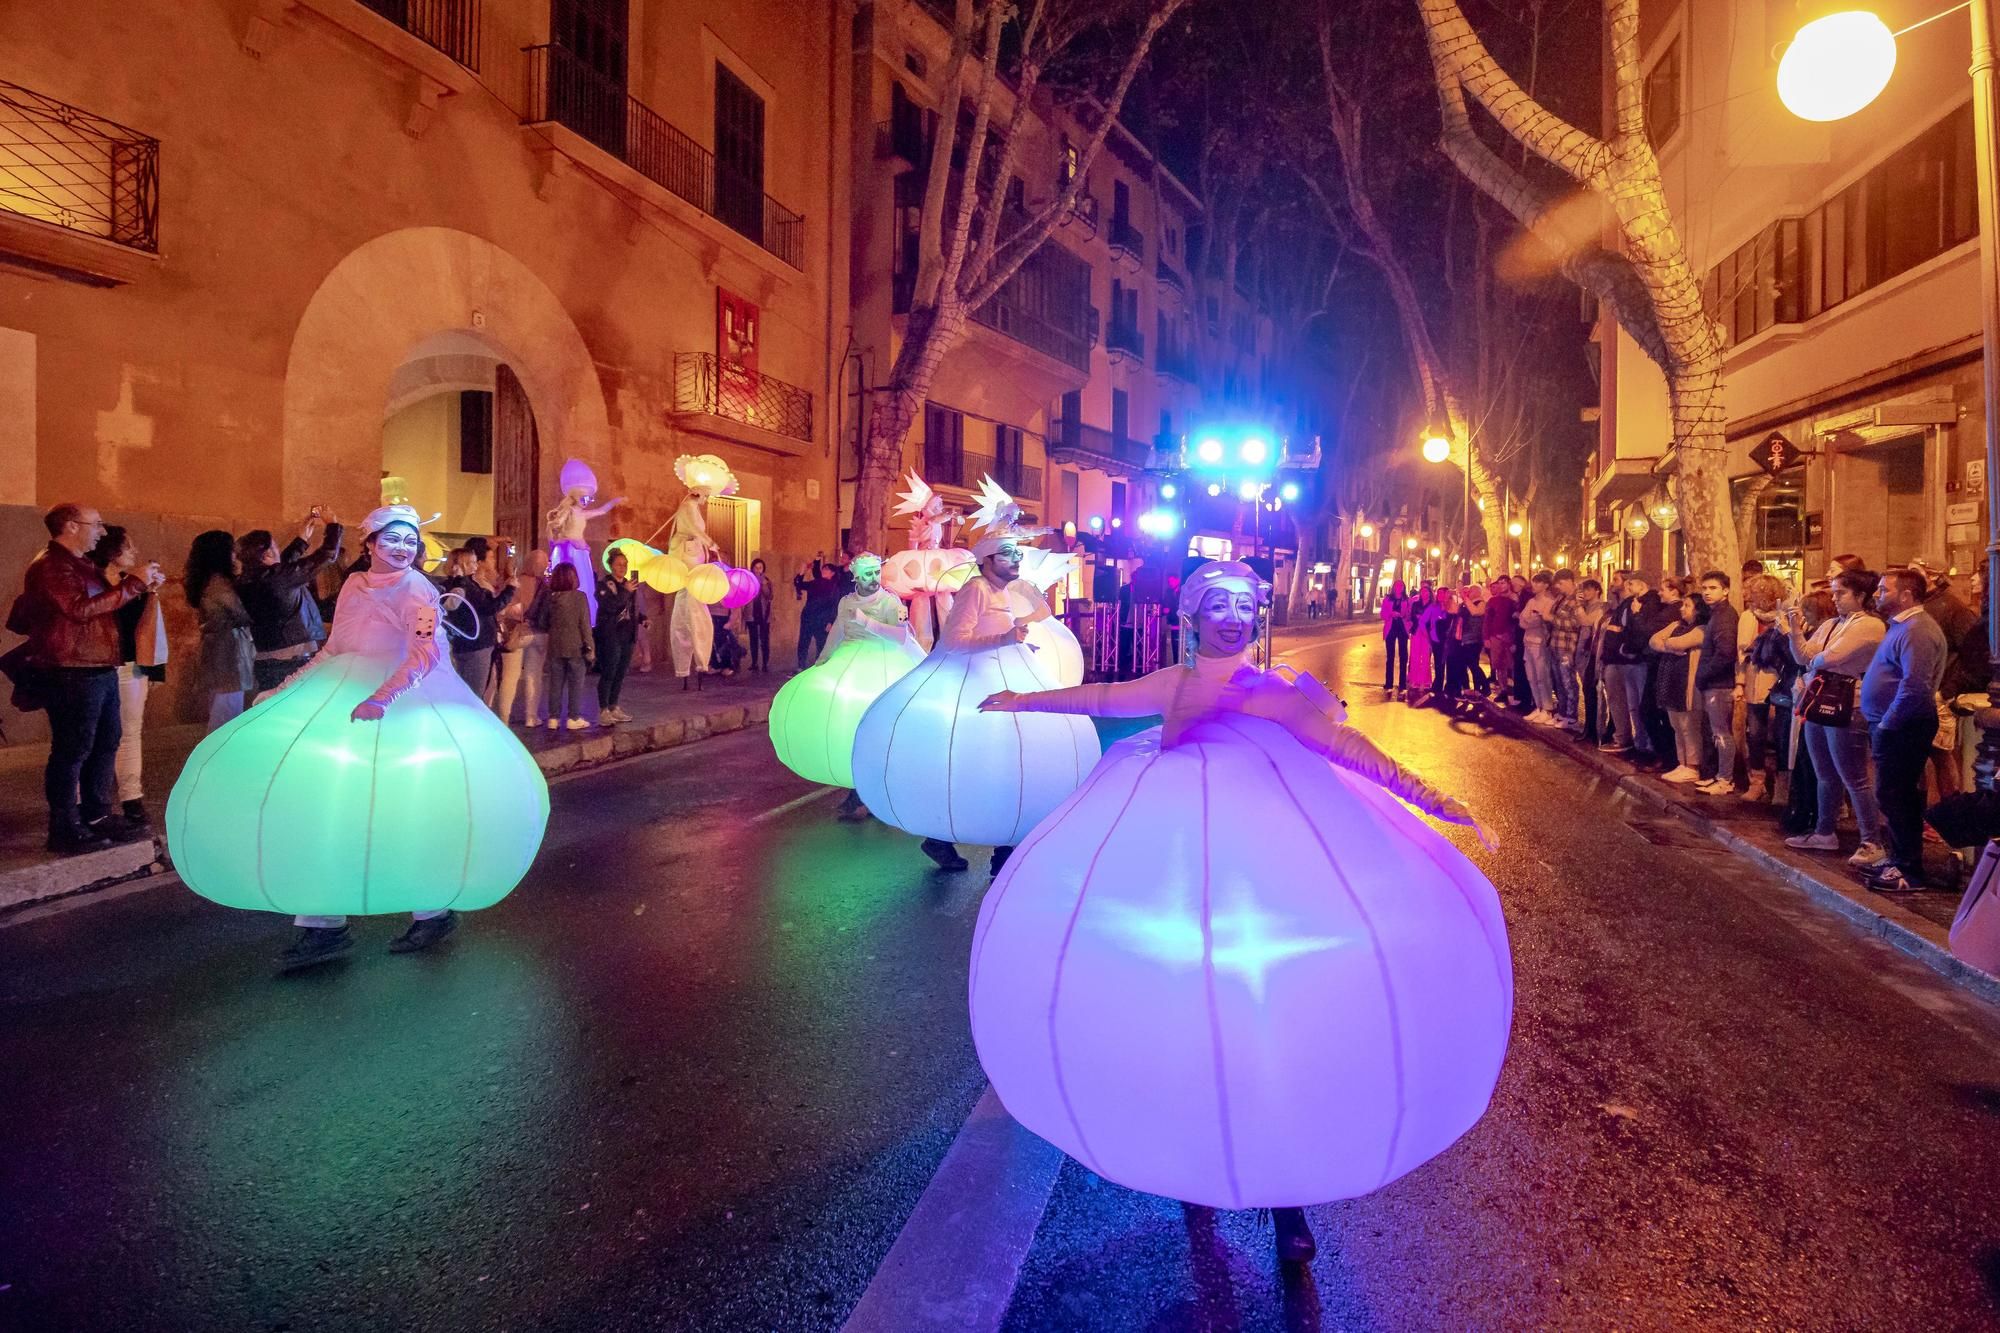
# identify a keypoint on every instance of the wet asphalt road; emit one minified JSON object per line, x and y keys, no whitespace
{"x":700,"y":1068}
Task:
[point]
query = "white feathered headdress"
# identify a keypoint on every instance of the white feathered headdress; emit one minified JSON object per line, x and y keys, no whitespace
{"x":999,"y":519}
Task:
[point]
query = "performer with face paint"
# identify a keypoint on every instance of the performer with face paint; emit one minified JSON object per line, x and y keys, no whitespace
{"x":374,"y":780}
{"x":927,"y":762}
{"x":1234,"y":968}
{"x":690,"y":629}
{"x":869,"y":612}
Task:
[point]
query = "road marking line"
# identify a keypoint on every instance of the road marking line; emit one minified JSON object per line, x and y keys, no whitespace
{"x":958,"y":1258}
{"x":789,"y":806}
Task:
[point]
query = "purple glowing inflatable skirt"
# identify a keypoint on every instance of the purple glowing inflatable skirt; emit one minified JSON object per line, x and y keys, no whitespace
{"x":1230,"y":974}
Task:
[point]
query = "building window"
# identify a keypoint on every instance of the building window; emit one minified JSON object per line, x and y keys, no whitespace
{"x":1121,"y":414}
{"x":1121,"y":204}
{"x":1066,"y":164}
{"x":739,"y":155}
{"x":475,"y":432}
{"x":909,"y":190}
{"x":944,"y":444}
{"x":1663,"y":95}
{"x":1910,"y":208}
{"x":588,"y":93}
{"x":1007,"y":454}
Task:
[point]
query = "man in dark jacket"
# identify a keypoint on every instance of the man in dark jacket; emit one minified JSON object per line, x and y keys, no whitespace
{"x":1717,"y":680}
{"x":277,"y":590}
{"x":67,"y":611}
{"x":1651,"y":720}
{"x":1624,"y":656}
{"x":822,"y":585}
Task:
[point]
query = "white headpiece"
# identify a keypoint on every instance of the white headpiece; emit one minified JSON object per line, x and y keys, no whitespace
{"x":381,"y":518}
{"x":577,"y":476}
{"x":999,"y":520}
{"x":706,"y":474}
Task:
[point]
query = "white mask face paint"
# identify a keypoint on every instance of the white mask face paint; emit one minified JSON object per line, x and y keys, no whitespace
{"x":397,"y":546}
{"x":1228,"y":621}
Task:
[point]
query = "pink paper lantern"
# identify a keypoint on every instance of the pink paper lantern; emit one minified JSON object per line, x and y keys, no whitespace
{"x":743,"y":588}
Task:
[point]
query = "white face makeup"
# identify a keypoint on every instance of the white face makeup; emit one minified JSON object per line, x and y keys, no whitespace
{"x":1007,"y":561}
{"x":1227,"y":620}
{"x":867,"y":578}
{"x":397,"y":546}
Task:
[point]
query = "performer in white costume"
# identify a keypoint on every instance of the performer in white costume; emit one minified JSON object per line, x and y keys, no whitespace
{"x":926,"y":574}
{"x":691,"y":632}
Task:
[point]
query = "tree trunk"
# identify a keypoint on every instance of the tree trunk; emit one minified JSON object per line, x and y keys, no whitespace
{"x":1746,"y":511}
{"x":927,"y":337}
{"x":1308,"y":553}
{"x":1706,"y":514}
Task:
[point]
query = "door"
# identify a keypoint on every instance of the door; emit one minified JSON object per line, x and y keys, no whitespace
{"x":517,"y":464}
{"x":739,"y":155}
{"x":586,"y":71}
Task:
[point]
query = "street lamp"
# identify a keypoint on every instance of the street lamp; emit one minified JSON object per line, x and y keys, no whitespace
{"x":1437,"y":449}
{"x":1837,"y":65}
{"x":1513,"y":529}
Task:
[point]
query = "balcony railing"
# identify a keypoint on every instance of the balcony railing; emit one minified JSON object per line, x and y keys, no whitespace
{"x":1122,"y":340}
{"x":62,"y":165}
{"x":561,"y":88}
{"x":1125,"y":240}
{"x":1082,"y":213}
{"x":1169,"y":280}
{"x":452,"y":26}
{"x":963,"y":470}
{"x":1069,"y":346}
{"x":1099,"y":443}
{"x":754,"y":400}
{"x":1175,"y":362}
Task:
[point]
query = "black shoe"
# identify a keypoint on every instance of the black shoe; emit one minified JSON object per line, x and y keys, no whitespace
{"x":314,"y":945}
{"x":115,"y":828}
{"x":1295,"y":1238}
{"x":999,"y":859}
{"x":945,"y":854}
{"x":75,"y":842}
{"x":1890,"y":878}
{"x":423,"y":934}
{"x":135,"y":812}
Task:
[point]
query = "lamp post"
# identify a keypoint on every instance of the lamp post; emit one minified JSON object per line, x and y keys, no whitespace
{"x":1437,"y":449}
{"x":1834,"y":67}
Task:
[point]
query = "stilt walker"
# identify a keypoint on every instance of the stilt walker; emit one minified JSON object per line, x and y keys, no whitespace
{"x":691,"y":631}
{"x":566,"y":524}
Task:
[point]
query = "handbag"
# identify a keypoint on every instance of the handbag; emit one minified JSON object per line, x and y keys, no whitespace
{"x":151,"y":639}
{"x":1829,"y":700}
{"x":1975,"y":931}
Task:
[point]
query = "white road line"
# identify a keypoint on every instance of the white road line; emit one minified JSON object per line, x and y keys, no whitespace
{"x":959,"y":1256}
{"x":788,"y":806}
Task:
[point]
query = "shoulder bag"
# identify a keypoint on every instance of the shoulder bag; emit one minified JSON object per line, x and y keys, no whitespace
{"x":1829,"y":700}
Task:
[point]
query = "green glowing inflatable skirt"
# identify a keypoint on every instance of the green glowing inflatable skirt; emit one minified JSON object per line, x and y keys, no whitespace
{"x":294,"y":808}
{"x":815,"y":714}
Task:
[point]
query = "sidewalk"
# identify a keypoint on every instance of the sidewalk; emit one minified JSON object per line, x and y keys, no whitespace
{"x":663,"y":716}
{"x":1917,"y":923}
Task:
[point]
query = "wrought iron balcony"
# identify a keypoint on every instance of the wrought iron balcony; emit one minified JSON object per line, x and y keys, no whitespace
{"x":1127,"y":245}
{"x":62,"y":165}
{"x":948,"y":468}
{"x":1093,"y":446}
{"x":1124,"y":341}
{"x":1071,"y":346}
{"x":1173,"y":362}
{"x":1081,"y":215}
{"x":1169,"y":280}
{"x":452,"y":26}
{"x":759,"y":400}
{"x":561,"y":88}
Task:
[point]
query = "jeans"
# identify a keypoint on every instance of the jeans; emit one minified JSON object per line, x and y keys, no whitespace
{"x":614,"y":659}
{"x":812,"y":639}
{"x":83,"y":745}
{"x":1462,"y":669}
{"x":1562,"y":683}
{"x":1541,"y":674}
{"x":1687,"y":737}
{"x":1756,"y":736}
{"x":760,"y":644}
{"x":521,"y":672}
{"x":1501,"y":650}
{"x":473,"y":667}
{"x":1901,"y":754}
{"x":565,"y":688}
{"x":1396,"y":639}
{"x":1719,"y":703}
{"x":1441,"y":651}
{"x":1625,"y":692}
{"x":1840,"y":759}
{"x":133,"y":686}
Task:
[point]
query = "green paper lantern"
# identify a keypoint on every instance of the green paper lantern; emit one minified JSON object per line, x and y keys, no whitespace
{"x":814,"y":717}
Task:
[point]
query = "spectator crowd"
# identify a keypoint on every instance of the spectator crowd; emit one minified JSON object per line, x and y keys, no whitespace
{"x":1856,"y":689}
{"x":521,"y":635}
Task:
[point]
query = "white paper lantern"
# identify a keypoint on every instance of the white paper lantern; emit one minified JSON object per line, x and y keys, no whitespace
{"x":927,"y":761}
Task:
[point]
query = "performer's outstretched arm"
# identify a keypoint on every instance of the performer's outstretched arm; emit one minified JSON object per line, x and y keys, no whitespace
{"x":1349,"y":749}
{"x":1145,"y":697}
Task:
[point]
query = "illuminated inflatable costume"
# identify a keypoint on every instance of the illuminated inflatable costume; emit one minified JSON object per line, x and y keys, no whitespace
{"x":421,"y":801}
{"x":691,"y":630}
{"x":928,"y":572}
{"x":1055,"y":641}
{"x":869,"y":648}
{"x":1227,"y":970}
{"x":928,"y":762}
{"x":566,"y":524}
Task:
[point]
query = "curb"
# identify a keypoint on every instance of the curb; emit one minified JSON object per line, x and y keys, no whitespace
{"x":1919,"y":937}
{"x":73,"y":876}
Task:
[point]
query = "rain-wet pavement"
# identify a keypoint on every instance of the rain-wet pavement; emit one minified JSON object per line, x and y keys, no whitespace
{"x":700,"y":1068}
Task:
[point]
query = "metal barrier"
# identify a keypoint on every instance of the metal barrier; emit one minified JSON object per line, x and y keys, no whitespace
{"x":1123,"y":643}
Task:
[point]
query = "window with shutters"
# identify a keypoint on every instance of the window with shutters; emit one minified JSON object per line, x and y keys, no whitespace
{"x":739,"y":154}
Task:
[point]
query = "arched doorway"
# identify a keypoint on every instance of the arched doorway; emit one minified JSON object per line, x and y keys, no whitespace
{"x":428,"y":315}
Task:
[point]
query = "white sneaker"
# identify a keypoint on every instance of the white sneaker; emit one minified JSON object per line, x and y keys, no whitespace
{"x":1681,"y":774}
{"x":1718,"y":787}
{"x":1868,"y":854}
{"x":552,"y":725}
{"x":1815,"y":842}
{"x":576,"y":724}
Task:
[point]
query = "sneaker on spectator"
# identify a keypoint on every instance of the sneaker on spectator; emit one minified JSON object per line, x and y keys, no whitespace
{"x":1756,"y":790}
{"x":1613,"y":747}
{"x":1681,"y":773}
{"x":1889,"y":878}
{"x":1815,"y":842}
{"x":1868,"y":855}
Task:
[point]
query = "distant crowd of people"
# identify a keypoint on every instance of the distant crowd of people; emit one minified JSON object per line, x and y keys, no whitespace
{"x":1854,"y":688}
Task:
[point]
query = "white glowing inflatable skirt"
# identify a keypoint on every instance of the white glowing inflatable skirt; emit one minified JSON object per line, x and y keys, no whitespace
{"x":294,"y":808}
{"x":927,"y":761}
{"x":1230,"y":974}
{"x":1056,"y":647}
{"x":814,"y":717}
